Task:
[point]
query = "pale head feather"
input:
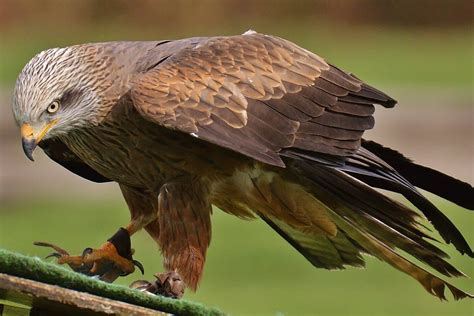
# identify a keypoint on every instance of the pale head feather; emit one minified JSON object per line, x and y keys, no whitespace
{"x":78,"y":71}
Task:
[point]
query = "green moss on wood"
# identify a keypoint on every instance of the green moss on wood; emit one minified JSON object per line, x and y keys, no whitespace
{"x":36,"y":269}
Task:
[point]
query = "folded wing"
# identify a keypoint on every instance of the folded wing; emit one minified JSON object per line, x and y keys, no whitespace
{"x":258,"y":94}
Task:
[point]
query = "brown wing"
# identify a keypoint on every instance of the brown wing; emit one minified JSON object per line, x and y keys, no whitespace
{"x":258,"y":95}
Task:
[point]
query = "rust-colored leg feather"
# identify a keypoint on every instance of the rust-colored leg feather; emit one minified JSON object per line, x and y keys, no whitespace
{"x":183,"y":229}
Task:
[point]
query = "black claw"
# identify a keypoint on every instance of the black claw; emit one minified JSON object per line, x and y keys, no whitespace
{"x":87,"y":251}
{"x":54,"y":254}
{"x":139,"y":266}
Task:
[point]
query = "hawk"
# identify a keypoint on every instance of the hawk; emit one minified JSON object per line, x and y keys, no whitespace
{"x":252,"y":124}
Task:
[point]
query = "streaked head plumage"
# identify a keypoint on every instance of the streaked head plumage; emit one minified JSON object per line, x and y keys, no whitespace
{"x":69,"y":77}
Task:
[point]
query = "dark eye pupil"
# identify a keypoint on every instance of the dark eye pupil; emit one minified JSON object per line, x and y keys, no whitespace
{"x":53,"y":107}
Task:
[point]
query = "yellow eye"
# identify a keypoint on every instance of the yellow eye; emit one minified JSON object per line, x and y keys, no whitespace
{"x":53,"y":107}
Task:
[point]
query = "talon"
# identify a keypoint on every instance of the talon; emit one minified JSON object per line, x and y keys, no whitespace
{"x":86,"y":252}
{"x":54,"y":254}
{"x":139,"y":266}
{"x":110,"y":261}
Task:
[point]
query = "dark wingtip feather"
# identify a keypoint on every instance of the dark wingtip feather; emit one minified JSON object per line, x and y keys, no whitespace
{"x":387,"y":179}
{"x":377,"y":95}
{"x":436,"y":182}
{"x":458,"y":294}
{"x":443,"y":225}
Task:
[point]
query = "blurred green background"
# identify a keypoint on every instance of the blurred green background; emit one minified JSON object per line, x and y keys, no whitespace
{"x":419,"y":52}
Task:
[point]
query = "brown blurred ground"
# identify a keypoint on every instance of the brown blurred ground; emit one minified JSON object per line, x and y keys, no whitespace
{"x":406,"y":13}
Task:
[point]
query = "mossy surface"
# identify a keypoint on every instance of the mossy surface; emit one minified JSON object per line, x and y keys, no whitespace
{"x":34,"y":268}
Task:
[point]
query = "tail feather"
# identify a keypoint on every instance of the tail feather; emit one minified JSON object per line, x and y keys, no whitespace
{"x":320,"y":250}
{"x":381,"y":250}
{"x":371,"y":221}
{"x":374,"y":171}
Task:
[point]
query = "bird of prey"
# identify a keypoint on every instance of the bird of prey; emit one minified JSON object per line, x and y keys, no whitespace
{"x":252,"y":124}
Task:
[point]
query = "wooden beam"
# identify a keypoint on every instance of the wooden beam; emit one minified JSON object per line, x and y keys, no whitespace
{"x":19,"y":296}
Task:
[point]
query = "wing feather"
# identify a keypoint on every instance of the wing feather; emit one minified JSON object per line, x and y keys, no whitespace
{"x":267,"y":98}
{"x":224,"y":89}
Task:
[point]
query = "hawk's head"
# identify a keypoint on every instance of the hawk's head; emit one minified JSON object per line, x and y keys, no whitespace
{"x":59,"y":90}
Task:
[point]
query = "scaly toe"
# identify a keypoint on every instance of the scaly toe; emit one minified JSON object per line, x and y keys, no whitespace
{"x":104,"y":262}
{"x":75,"y":262}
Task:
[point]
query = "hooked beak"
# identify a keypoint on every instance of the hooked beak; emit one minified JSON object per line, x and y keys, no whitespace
{"x":30,"y":139}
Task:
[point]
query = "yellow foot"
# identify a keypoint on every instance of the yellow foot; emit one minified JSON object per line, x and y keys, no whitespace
{"x":108,"y":262}
{"x":169,"y":284}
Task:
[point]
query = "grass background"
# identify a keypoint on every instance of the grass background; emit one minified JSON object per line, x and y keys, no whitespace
{"x":417,"y":46}
{"x":250,"y":270}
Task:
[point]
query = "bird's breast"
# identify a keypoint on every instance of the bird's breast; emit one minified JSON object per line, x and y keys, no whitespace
{"x":135,"y":152}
